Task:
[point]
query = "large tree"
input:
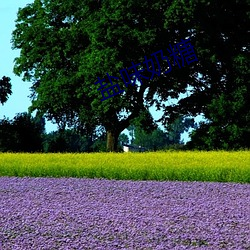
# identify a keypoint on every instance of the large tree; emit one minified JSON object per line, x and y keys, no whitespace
{"x":66,"y":45}
{"x":5,"y":89}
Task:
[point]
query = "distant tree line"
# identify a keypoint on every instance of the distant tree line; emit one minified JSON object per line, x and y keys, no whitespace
{"x":25,"y":133}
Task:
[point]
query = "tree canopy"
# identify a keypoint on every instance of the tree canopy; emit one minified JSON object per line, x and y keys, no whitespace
{"x":220,"y":33}
{"x":66,"y":45}
{"x":5,"y":89}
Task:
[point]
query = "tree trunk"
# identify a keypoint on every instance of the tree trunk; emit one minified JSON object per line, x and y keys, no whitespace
{"x":112,"y":141}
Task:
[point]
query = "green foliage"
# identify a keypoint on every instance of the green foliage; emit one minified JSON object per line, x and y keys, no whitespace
{"x":65,"y":141}
{"x":123,"y":138}
{"x":228,"y":137}
{"x":219,"y":33}
{"x":5,"y":89}
{"x":155,"y":140}
{"x":228,"y":126}
{"x":6,"y":135}
{"x":66,"y":45}
{"x":72,"y":140}
{"x":22,"y":134}
{"x":144,"y":121}
{"x":158,"y":139}
{"x":99,"y":145}
{"x":179,"y":126}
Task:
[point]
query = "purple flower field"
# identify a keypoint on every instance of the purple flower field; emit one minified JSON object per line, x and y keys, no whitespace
{"x":68,"y":213}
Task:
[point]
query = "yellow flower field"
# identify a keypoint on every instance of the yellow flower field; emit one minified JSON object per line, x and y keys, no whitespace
{"x":221,"y":166}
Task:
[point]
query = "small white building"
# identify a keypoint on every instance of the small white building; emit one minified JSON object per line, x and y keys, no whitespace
{"x":133,"y":148}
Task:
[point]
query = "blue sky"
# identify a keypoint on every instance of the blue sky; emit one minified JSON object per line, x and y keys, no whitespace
{"x":19,"y":100}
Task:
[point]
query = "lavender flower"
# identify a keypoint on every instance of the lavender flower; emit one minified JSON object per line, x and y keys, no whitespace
{"x":68,"y":213}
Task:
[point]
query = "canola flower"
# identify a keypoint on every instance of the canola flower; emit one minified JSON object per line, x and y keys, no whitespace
{"x":216,"y":166}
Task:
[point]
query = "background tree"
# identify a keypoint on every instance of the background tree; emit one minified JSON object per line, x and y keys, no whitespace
{"x":158,"y":139}
{"x":220,"y":33}
{"x":228,"y":123}
{"x":22,"y":134}
{"x":123,"y":139}
{"x":73,"y":140}
{"x":100,"y":143}
{"x":6,"y":135}
{"x":65,"y":141}
{"x":5,"y":89}
{"x":178,"y":127}
{"x":154,"y":140}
